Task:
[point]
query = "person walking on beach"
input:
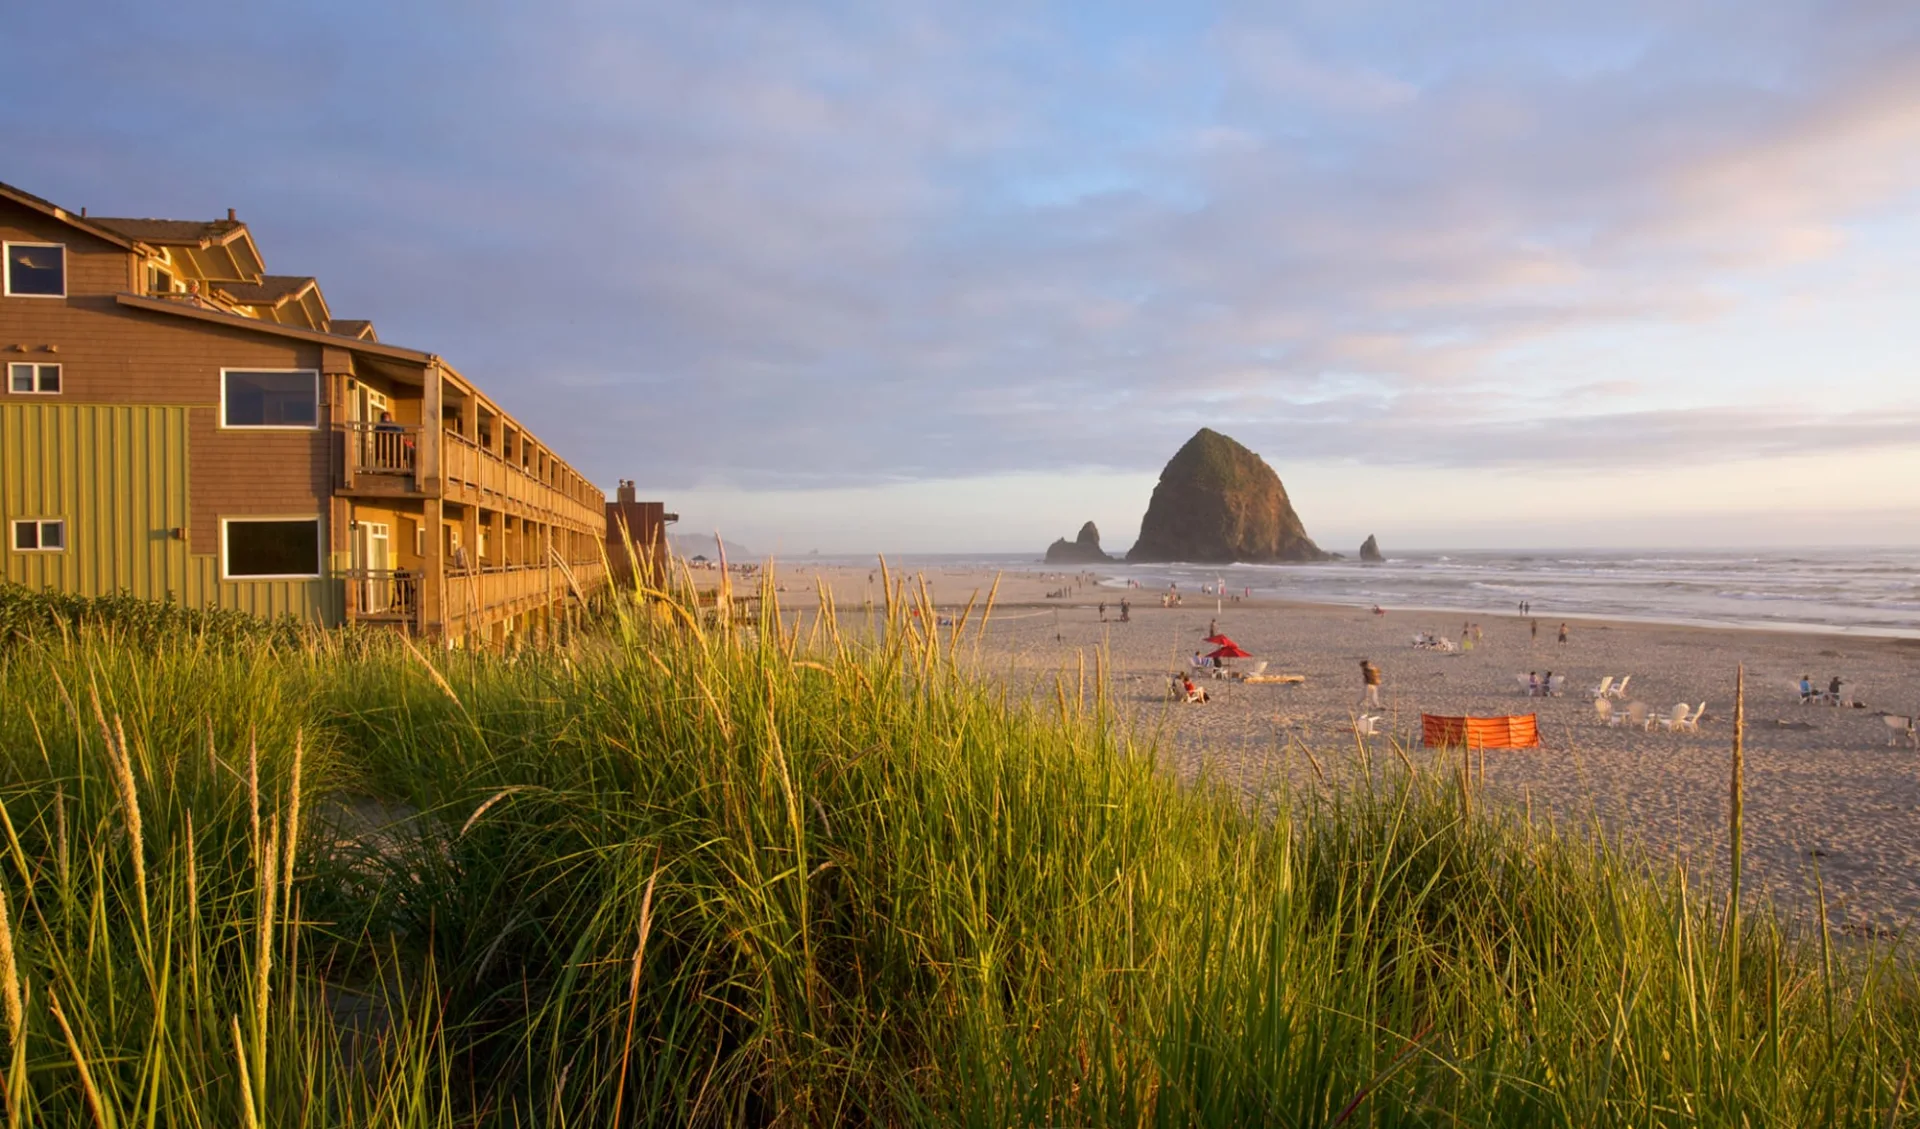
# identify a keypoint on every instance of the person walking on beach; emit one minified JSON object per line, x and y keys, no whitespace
{"x":1370,"y":683}
{"x":1563,"y":634}
{"x":1534,"y":627}
{"x":1103,"y":611}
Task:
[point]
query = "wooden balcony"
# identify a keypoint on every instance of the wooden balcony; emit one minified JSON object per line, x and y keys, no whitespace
{"x":378,"y":458}
{"x":479,"y":598}
{"x":382,"y":596}
{"x":389,"y":459}
{"x":473,"y":475}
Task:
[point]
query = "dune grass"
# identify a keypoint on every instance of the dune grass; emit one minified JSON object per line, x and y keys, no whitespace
{"x":685,"y":873}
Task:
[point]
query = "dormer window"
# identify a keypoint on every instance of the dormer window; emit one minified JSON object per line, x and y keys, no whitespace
{"x":35,"y":270}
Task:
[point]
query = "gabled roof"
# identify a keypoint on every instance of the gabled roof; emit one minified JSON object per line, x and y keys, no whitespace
{"x":49,"y":208}
{"x":218,"y":250}
{"x":356,"y":328}
{"x":272,"y":290}
{"x":175,"y":233}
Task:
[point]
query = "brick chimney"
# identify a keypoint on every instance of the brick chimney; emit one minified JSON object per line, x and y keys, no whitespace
{"x":625,"y":493}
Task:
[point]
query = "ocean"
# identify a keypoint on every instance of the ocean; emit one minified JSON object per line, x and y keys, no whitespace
{"x":1856,"y":591}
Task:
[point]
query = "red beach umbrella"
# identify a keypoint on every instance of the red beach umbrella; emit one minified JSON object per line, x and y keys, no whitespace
{"x":1220,"y":639}
{"x":1230,"y":650}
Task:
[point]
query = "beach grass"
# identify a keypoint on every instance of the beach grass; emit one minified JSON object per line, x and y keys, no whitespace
{"x":693,"y":871}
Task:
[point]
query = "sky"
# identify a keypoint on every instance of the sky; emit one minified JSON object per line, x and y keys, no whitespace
{"x":917,"y":277}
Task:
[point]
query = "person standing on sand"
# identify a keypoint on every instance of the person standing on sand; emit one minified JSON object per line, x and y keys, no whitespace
{"x":1213,"y":628}
{"x":1125,"y":610}
{"x":1563,"y":634}
{"x":1534,"y":627}
{"x":1369,"y":683}
{"x":1103,"y":611}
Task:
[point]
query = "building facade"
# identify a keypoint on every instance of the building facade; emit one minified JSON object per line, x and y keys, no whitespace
{"x":179,"y":424}
{"x":637,"y":539}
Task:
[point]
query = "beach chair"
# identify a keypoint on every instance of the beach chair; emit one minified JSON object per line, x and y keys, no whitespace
{"x":1367,"y":725}
{"x":1635,"y":716}
{"x":1619,"y":689}
{"x":1901,"y":727}
{"x":1526,"y":687}
{"x":1676,"y":719}
{"x":1603,"y":711}
{"x":1556,"y":685}
{"x":1254,"y":671}
{"x":1600,"y":691}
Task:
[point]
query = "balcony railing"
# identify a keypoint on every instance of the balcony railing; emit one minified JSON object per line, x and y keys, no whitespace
{"x":382,"y":595}
{"x":379,"y":448}
{"x":466,"y":464}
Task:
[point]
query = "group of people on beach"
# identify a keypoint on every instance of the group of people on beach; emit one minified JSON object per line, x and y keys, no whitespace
{"x":1808,"y":693}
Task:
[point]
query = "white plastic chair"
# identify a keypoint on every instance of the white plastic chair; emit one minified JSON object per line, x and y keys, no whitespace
{"x":1367,"y":725}
{"x":1901,"y":727}
{"x":1693,"y":723}
{"x":1555,"y":685}
{"x":1600,"y":691}
{"x":1603,"y":711}
{"x":1619,"y":689}
{"x":1677,"y":719}
{"x":1635,"y":716}
{"x":1526,"y":687}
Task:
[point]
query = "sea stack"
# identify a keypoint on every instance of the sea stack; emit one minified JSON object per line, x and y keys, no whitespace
{"x":1217,"y":503}
{"x":1084,"y":549}
{"x":1370,"y":550}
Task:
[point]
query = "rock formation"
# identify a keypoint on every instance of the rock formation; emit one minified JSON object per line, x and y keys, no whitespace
{"x":1217,"y":503}
{"x":1370,"y":550}
{"x":1084,"y":549}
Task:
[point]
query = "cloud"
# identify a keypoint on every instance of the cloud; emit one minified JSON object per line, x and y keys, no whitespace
{"x":809,"y":246}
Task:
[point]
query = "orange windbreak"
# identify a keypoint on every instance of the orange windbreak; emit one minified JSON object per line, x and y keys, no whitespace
{"x":1518,"y":732}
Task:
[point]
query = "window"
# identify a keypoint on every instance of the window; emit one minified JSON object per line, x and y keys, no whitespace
{"x":272,"y":548}
{"x":159,"y":280}
{"x":40,"y":535}
{"x":284,"y":398}
{"x":36,"y":270}
{"x":26,"y":378}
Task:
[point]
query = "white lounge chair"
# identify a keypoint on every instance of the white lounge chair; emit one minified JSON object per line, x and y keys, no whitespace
{"x":1619,"y":689}
{"x":1555,"y":685}
{"x":1257,"y":668}
{"x":1367,"y":725}
{"x":1901,"y":727}
{"x":1603,"y":711}
{"x":1678,"y":718}
{"x":1635,"y":716}
{"x":1600,"y":691}
{"x":1526,"y":687}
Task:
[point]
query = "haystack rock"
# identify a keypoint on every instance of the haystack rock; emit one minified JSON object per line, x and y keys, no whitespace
{"x":1217,"y":503}
{"x":1370,"y":550}
{"x":1084,"y":549}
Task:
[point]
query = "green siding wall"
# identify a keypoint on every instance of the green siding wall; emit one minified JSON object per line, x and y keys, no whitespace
{"x":117,"y":474}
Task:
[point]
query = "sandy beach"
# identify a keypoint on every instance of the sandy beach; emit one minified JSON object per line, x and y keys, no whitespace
{"x":1829,"y":790}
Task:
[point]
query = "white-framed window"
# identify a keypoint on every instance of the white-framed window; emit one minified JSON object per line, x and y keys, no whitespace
{"x":32,"y":378}
{"x":270,"y":548}
{"x":270,"y":399}
{"x":35,"y":270}
{"x":39,"y":535}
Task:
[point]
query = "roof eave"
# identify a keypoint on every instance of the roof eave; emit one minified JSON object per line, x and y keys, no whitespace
{"x":274,"y":329}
